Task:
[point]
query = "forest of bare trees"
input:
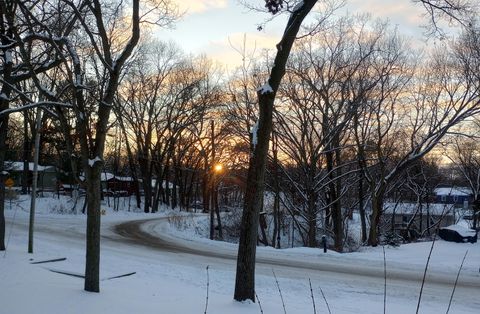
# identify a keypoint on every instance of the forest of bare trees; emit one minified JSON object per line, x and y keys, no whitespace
{"x":344,"y":115}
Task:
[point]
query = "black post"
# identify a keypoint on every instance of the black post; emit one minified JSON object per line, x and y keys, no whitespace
{"x":324,"y":242}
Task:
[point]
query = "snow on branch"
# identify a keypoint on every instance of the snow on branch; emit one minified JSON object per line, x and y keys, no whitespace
{"x":92,"y":162}
{"x":34,"y":105}
{"x":298,"y":6}
{"x":265,"y":89}
{"x":254,"y":132}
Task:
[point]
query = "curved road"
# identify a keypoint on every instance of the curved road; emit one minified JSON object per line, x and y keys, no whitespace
{"x":341,"y":274}
{"x":135,"y":232}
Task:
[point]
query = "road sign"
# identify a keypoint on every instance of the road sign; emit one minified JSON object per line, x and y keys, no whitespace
{"x":9,"y":182}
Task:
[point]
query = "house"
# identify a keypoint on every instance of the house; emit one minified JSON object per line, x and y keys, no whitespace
{"x":47,"y":175}
{"x":458,"y":196}
{"x":115,"y":185}
{"x":398,"y":218}
{"x":119,"y":185}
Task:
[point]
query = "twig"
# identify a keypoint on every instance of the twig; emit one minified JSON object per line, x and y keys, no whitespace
{"x":311,"y":294}
{"x":325,"y":299}
{"x":456,"y":281}
{"x":385,"y":282}
{"x":279,"y":291}
{"x":425,"y":273}
{"x":208,"y":285}
{"x":259,"y":304}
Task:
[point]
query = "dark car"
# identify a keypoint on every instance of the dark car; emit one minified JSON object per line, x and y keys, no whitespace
{"x":459,"y":234}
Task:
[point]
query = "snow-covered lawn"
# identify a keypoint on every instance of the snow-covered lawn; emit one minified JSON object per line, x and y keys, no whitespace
{"x":172,"y":282}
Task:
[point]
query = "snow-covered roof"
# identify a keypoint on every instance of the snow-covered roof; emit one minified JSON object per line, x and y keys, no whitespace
{"x":105,"y":176}
{"x":411,"y":208}
{"x":458,"y":191}
{"x":120,"y":178}
{"x":461,"y":230}
{"x":18,"y":166}
{"x":108,"y":176}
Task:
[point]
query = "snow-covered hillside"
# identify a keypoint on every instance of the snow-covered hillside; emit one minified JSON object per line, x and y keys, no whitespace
{"x":172,"y":281}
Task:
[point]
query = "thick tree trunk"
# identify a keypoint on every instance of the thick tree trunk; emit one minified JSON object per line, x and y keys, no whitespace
{"x":476,"y":212}
{"x":3,"y":177}
{"x":217,"y":212}
{"x":26,"y":154}
{"x":377,"y":207}
{"x":92,"y":265}
{"x":276,"y":200}
{"x":5,"y":91}
{"x":245,"y":275}
{"x":146,"y":182}
{"x":335,"y":206}
{"x":361,"y":207}
{"x":312,"y":219}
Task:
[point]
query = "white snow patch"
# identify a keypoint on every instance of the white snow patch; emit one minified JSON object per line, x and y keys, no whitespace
{"x":91,"y":162}
{"x":254,"y":132}
{"x":298,"y":6}
{"x":176,"y":283}
{"x":8,"y":56}
{"x":461,"y":230}
{"x":265,"y":89}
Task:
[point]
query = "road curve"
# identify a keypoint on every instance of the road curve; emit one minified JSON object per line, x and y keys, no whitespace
{"x":134,"y":231}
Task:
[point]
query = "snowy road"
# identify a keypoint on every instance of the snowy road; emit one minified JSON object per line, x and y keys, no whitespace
{"x":144,"y":232}
{"x":350,"y":282}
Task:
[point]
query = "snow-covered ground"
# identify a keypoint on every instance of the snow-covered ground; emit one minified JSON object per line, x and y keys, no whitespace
{"x":170,"y":281}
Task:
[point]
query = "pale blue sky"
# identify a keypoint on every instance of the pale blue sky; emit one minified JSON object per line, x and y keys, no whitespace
{"x":209,"y":24}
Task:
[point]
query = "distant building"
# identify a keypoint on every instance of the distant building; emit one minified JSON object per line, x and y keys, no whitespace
{"x":47,"y":175}
{"x":123,"y":186}
{"x":398,"y":218}
{"x":458,"y":196}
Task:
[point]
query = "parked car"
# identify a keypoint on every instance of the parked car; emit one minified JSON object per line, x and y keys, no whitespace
{"x":457,"y":233}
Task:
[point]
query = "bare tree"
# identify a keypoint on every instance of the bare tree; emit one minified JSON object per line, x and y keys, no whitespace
{"x":245,"y":275}
{"x":465,"y":155}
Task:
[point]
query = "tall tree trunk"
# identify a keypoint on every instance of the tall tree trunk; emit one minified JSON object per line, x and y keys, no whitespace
{"x":131,"y":164}
{"x":335,"y":206}
{"x":217,"y":211}
{"x":361,"y":207}
{"x":476,"y":211}
{"x":276,"y":200}
{"x":3,"y":177}
{"x":33,"y":197}
{"x":92,"y":265}
{"x":7,"y":33}
{"x":377,"y":207}
{"x":245,"y":274}
{"x":146,"y":181}
{"x":312,"y":219}
{"x":26,"y":154}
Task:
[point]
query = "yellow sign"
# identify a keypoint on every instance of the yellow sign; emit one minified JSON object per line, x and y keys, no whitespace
{"x":9,"y":183}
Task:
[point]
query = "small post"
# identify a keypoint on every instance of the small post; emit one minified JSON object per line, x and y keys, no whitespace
{"x":324,"y":243}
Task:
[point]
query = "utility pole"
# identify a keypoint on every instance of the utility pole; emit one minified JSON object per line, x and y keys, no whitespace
{"x":34,"y":182}
{"x":211,"y":181}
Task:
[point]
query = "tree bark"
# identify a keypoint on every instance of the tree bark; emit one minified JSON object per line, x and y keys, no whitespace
{"x":92,"y":265}
{"x":7,"y":33}
{"x":377,"y":208}
{"x":361,"y":207}
{"x":245,"y":275}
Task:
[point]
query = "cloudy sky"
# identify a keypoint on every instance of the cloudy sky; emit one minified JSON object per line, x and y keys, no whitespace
{"x":216,"y":27}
